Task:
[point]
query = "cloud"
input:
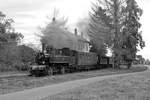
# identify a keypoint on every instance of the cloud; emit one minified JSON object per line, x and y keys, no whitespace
{"x":23,"y":5}
{"x":25,"y":15}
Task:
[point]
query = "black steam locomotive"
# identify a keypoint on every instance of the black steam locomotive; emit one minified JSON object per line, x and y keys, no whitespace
{"x":65,"y":60}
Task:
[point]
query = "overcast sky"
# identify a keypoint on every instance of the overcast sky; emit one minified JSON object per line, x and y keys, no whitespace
{"x":29,"y":14}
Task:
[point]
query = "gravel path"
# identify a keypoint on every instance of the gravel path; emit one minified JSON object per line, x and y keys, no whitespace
{"x":41,"y":92}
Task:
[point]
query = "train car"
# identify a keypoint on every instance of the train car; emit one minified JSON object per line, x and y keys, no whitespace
{"x":105,"y":62}
{"x":86,"y":60}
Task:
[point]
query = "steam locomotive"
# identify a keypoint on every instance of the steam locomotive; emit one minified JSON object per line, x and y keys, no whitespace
{"x":65,"y":61}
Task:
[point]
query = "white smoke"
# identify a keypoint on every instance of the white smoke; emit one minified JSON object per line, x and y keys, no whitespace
{"x":55,"y":34}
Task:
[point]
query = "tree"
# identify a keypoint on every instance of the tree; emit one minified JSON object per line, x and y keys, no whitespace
{"x":8,"y":41}
{"x":7,"y":32}
{"x":132,"y":35}
{"x":147,"y":62}
{"x":100,"y":49}
{"x":140,"y":59}
{"x":116,"y":24}
{"x":99,"y":30}
{"x":26,"y":53}
{"x":106,"y":25}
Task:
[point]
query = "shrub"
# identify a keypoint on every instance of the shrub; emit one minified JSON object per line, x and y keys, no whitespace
{"x":14,"y":57}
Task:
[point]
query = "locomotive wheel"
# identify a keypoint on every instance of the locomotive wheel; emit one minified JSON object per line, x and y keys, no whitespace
{"x":63,"y":70}
{"x":50,"y":71}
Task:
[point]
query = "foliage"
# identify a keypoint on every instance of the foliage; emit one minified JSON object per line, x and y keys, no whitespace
{"x":7,"y":33}
{"x":98,"y":48}
{"x":99,"y":31}
{"x":26,"y":57}
{"x":8,"y":56}
{"x":16,"y":57}
{"x":8,"y":43}
{"x":116,"y":24}
{"x":140,"y":59}
{"x":132,"y":36}
{"x":26,"y":54}
{"x":147,"y":62}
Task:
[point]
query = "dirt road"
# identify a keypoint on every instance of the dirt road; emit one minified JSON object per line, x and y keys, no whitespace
{"x":41,"y":92}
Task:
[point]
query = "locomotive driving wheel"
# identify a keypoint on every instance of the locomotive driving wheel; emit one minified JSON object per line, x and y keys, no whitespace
{"x":50,"y":71}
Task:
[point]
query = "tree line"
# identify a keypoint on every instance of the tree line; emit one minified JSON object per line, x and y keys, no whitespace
{"x":12,"y":55}
{"x":114,"y":24}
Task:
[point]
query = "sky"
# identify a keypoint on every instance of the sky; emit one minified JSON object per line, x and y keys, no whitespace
{"x":30,"y":14}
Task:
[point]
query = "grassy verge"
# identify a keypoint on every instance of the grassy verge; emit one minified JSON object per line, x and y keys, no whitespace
{"x":131,"y":87}
{"x":12,"y":84}
{"x":10,"y":73}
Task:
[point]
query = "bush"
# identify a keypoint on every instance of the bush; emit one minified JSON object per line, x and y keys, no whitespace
{"x":21,"y":66}
{"x":26,"y":54}
{"x":5,"y":67}
{"x":14,"y":57}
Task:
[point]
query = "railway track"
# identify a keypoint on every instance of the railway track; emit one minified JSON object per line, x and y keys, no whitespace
{"x":13,"y":75}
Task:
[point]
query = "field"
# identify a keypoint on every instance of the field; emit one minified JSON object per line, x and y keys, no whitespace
{"x":131,"y":87}
{"x":13,"y":84}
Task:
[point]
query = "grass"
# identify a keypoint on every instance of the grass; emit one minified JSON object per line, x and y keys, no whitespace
{"x":9,"y":73}
{"x":131,"y":87}
{"x":13,"y":84}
